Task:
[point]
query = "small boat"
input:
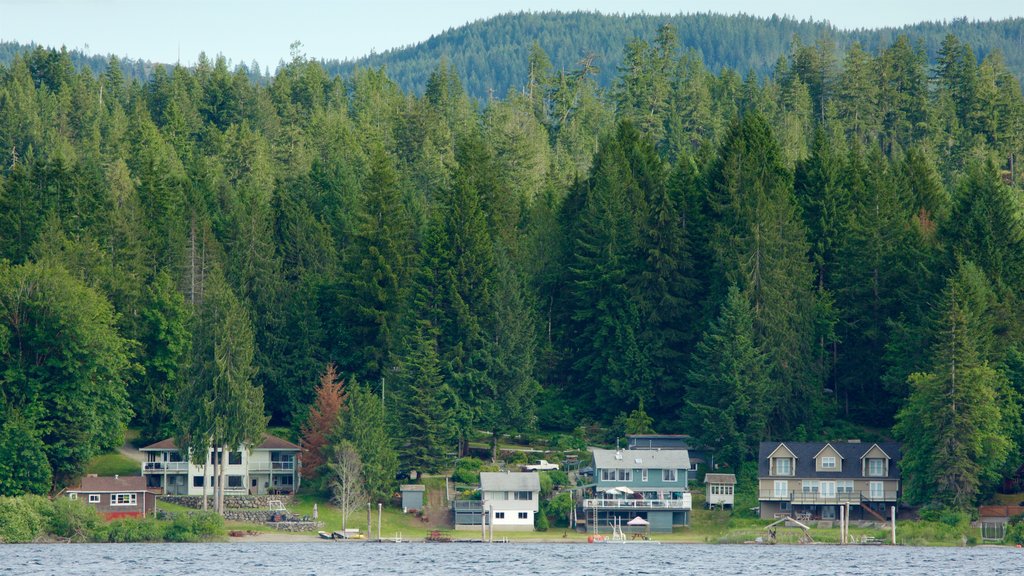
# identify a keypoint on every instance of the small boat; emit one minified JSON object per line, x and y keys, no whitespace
{"x":326,"y":535}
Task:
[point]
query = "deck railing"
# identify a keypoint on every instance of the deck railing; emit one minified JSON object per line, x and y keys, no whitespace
{"x":684,"y":503}
{"x":271,"y":466}
{"x":811,"y":497}
{"x":161,"y":467}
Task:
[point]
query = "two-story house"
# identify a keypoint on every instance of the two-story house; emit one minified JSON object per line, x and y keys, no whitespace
{"x":812,"y":479}
{"x":511,"y":499}
{"x":652,"y":484}
{"x":271,"y":467}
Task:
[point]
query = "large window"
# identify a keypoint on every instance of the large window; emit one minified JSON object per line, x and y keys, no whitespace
{"x":524,"y":495}
{"x":234,"y":481}
{"x":810,"y":486}
{"x":668,"y":474}
{"x":876,"y":490}
{"x":828,"y":462}
{"x":828,"y":488}
{"x":876,"y":467}
{"x":781,"y":488}
{"x":617,"y":474}
{"x":234,"y":458}
{"x":844,"y":486}
{"x":127,"y":499}
{"x":783,"y":467}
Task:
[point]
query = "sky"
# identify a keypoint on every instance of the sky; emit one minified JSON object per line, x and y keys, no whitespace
{"x":264,"y":30}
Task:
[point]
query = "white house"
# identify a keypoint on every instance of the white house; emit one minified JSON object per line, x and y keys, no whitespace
{"x":511,"y":499}
{"x":272,"y":467}
{"x":720,"y":489}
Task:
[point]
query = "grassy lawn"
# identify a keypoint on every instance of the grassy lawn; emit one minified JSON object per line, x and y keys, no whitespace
{"x":113,"y":463}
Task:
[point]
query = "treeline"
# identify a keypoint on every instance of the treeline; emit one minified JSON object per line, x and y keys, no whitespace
{"x":687,"y":251}
{"x":491,"y":55}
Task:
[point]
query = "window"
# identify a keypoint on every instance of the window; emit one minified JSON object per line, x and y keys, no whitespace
{"x":844,"y":486}
{"x":94,"y":498}
{"x":643,"y":475}
{"x":783,"y":467}
{"x":625,"y":474}
{"x":173,"y":456}
{"x":499,"y":515}
{"x":197,"y":481}
{"x":123,"y":499}
{"x":828,"y":462}
{"x":286,"y":480}
{"x":876,"y":490}
{"x":215,"y":457}
{"x":234,"y":458}
{"x":781,"y":488}
{"x":524,"y":495}
{"x":523,"y":515}
{"x":810,"y":486}
{"x":828,"y":489}
{"x":784,"y":506}
{"x":617,"y":474}
{"x":668,"y":474}
{"x":728,"y":489}
{"x":234,"y":481}
{"x":876,"y":467}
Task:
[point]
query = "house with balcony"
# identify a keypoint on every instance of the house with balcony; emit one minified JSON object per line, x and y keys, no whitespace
{"x":271,"y":467}
{"x":508,"y":501}
{"x":811,"y":480}
{"x":651,"y":484}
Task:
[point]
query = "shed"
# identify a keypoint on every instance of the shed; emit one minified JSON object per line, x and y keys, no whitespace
{"x":720,"y":489}
{"x":993,"y":520}
{"x":412,"y":496}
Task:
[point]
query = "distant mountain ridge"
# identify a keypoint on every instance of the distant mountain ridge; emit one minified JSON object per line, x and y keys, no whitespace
{"x":491,"y":55}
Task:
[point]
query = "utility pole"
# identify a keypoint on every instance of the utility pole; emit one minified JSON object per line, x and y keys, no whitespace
{"x":380,"y":511}
{"x":369,"y":532}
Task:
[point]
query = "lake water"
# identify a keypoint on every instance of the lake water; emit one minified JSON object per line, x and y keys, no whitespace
{"x":252,"y":559}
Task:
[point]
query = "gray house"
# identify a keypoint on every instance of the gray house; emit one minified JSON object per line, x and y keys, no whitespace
{"x":508,"y":501}
{"x":651,"y":484}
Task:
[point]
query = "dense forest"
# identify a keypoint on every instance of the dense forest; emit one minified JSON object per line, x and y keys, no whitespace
{"x":694,"y":251}
{"x":492,"y":55}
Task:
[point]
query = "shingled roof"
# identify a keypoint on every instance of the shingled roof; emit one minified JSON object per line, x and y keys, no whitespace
{"x":270,"y":442}
{"x":640,"y":459}
{"x":111,"y":484}
{"x":850,"y":451}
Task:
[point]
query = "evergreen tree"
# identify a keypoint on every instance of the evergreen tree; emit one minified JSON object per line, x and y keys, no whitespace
{"x":951,"y":426}
{"x":365,"y":426}
{"x":427,"y":417}
{"x":729,"y":383}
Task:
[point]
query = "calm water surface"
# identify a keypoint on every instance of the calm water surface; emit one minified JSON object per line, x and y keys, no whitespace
{"x":507,"y":559}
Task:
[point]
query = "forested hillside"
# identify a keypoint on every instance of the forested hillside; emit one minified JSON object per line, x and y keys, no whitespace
{"x":689,"y":251}
{"x":491,"y":55}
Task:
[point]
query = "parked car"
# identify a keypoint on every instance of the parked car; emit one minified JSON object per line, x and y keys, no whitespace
{"x":541,"y":465}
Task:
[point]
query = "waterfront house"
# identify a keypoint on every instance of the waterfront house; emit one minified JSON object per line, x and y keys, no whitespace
{"x":652,"y":484}
{"x":412,"y":496}
{"x":508,"y":501}
{"x":115,"y":496}
{"x":810,"y":480}
{"x":271,"y":467}
{"x":719,"y":489}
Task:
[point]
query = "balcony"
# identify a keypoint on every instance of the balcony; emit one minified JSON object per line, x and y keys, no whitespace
{"x":817,"y":498}
{"x":684,"y":503}
{"x":164,"y":467}
{"x":272,"y":466}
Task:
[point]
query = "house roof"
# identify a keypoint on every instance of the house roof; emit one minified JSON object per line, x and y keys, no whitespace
{"x":719,"y":478}
{"x":851,"y":453}
{"x":655,"y":441}
{"x":412,"y":488}
{"x":641,"y":459}
{"x":999,"y":511}
{"x":270,"y":442}
{"x":111,"y":484}
{"x":509,"y":481}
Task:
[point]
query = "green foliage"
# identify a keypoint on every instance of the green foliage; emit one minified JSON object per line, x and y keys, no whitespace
{"x":193,"y":527}
{"x":24,"y":468}
{"x":72,"y":519}
{"x":540,"y":521}
{"x":365,"y":426}
{"x":557,"y":477}
{"x":467,"y":470}
{"x":141,"y":530}
{"x":560,"y":507}
{"x":22,"y":519}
